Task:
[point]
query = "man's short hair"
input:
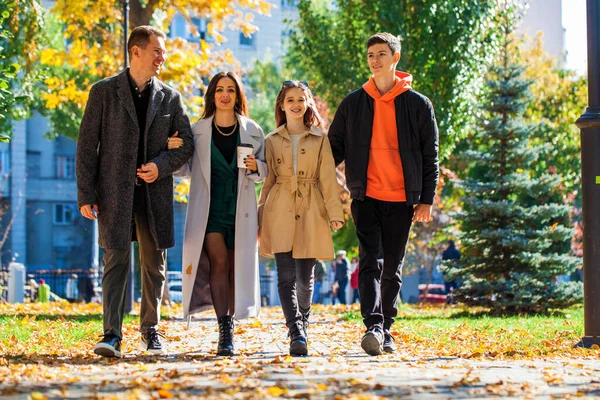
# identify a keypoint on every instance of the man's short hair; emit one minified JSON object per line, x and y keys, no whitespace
{"x":140,"y":36}
{"x":392,"y":41}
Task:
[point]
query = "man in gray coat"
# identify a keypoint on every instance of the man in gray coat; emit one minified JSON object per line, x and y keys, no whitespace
{"x":124,"y":179}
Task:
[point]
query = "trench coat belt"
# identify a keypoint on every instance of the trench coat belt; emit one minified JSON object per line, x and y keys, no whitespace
{"x":301,"y":185}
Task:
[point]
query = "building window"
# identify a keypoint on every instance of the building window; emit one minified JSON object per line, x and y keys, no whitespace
{"x":248,"y":41}
{"x":289,"y":4}
{"x":180,"y":28}
{"x":4,"y":163}
{"x":65,"y":167}
{"x":64,"y":214}
{"x":34,"y":162}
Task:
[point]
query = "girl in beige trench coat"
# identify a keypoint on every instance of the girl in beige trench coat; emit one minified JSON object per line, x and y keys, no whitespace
{"x":298,"y":200}
{"x":220,"y":250}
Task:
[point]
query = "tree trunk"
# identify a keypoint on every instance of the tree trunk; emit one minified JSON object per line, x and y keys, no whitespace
{"x":139,"y":15}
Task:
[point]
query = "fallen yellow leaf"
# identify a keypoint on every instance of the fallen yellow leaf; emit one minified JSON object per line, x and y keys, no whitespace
{"x":165,"y":394}
{"x":275,"y":391}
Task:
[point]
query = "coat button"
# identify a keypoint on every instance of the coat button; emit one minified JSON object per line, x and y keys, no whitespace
{"x":299,"y":194}
{"x":297,"y":217}
{"x":246,"y":215}
{"x":279,"y":161}
{"x":301,"y":173}
{"x":302,"y":151}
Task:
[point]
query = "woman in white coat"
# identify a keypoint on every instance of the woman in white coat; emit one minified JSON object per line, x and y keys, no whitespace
{"x":220,"y":252}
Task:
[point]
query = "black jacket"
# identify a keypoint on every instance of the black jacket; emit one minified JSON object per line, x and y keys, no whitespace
{"x":350,"y":137}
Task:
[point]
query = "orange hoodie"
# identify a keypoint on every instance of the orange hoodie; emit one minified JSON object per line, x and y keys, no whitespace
{"x":385,"y":177}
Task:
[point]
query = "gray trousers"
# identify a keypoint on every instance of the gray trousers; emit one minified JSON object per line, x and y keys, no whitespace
{"x":295,"y":278}
{"x":116,"y":273}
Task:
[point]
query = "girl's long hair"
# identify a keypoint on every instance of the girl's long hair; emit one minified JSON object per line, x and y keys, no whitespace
{"x":241,"y":103}
{"x":311,"y":116}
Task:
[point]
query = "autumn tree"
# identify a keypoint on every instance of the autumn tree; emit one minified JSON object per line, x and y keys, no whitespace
{"x":515,"y":235}
{"x":560,"y":98}
{"x":21,"y":34}
{"x":264,"y":82}
{"x":446,"y":46}
{"x":93,"y":41}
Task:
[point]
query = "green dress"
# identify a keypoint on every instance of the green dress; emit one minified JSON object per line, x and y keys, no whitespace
{"x":223,"y":195}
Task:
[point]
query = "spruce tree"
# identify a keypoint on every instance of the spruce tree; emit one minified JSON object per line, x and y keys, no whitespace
{"x":515,"y":235}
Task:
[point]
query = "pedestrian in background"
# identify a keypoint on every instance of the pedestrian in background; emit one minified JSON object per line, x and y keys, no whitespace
{"x":319,"y":277}
{"x":341,"y":266}
{"x":354,"y":281}
{"x":85,"y":285}
{"x":43,"y":291}
{"x":451,"y":253}
{"x":71,"y":292}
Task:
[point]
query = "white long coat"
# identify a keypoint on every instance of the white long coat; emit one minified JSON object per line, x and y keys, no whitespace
{"x":195,"y":271}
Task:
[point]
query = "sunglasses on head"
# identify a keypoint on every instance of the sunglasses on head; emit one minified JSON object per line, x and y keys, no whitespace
{"x":295,"y":83}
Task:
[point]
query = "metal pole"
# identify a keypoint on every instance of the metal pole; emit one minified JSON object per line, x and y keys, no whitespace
{"x":589,"y":123}
{"x":125,"y":31}
{"x":130,"y":295}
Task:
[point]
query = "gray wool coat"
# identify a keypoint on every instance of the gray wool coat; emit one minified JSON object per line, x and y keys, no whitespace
{"x":107,"y":151}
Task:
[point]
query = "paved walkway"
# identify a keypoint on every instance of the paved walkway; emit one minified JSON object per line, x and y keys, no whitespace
{"x":336,"y":369}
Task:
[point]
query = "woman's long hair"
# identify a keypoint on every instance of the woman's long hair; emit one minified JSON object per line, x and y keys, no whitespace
{"x":241,"y":103}
{"x":311,"y":116}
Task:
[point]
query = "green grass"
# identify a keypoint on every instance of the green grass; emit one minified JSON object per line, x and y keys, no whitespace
{"x":476,"y":332}
{"x":43,"y":330}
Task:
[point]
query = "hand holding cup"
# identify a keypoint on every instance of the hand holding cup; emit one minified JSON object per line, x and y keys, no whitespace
{"x":245,"y":157}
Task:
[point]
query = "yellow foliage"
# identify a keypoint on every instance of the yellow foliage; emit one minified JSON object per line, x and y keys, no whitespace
{"x":94,"y":33}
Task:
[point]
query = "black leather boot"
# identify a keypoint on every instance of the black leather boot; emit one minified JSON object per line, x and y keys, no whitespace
{"x":225,"y":346}
{"x":298,"y":342}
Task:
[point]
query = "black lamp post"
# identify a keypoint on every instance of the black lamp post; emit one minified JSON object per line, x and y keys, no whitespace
{"x":589,"y":123}
{"x":129,"y":296}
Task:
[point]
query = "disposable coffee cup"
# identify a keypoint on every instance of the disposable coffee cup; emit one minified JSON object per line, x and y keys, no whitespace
{"x":243,"y":150}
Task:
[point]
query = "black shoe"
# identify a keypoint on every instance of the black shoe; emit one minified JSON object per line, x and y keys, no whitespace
{"x":298,"y":342}
{"x":372,"y":341}
{"x":109,"y":346}
{"x":151,"y":342}
{"x":388,"y":342}
{"x":225,"y":346}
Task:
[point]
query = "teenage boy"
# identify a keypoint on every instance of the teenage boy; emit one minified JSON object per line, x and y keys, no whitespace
{"x":387,"y":134}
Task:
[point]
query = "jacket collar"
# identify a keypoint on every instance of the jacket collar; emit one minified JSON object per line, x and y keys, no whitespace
{"x":124,"y":93}
{"x":249,"y":136}
{"x":283,"y":132}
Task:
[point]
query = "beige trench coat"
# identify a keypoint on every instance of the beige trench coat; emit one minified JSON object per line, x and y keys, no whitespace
{"x":295,"y":210}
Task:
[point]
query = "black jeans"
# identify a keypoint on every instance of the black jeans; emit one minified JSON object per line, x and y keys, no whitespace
{"x":295,"y":278}
{"x":382,"y":228}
